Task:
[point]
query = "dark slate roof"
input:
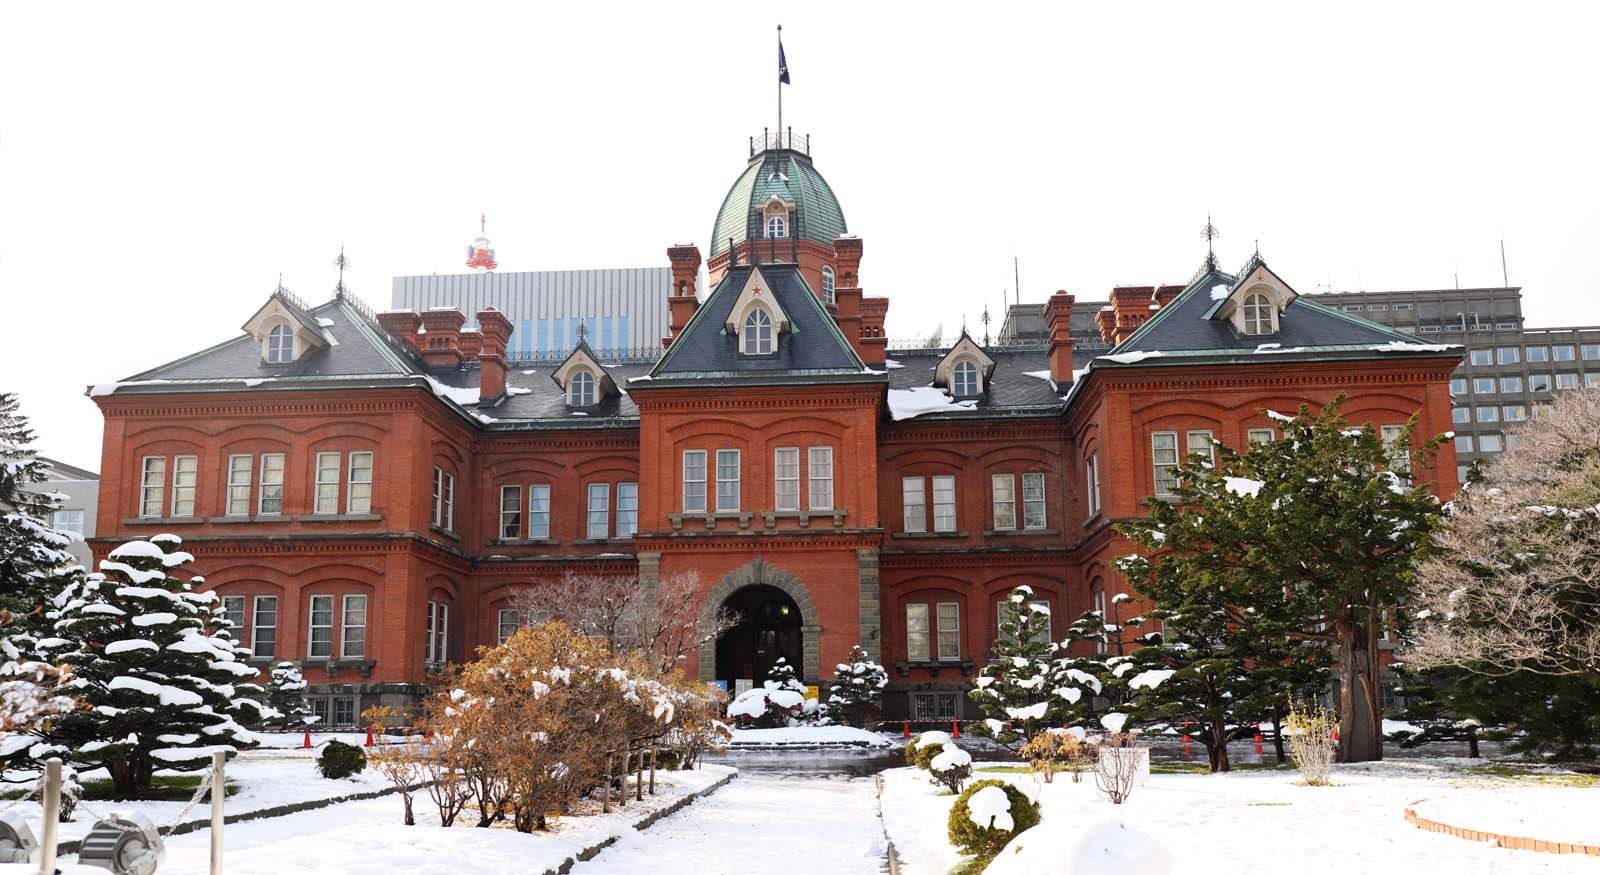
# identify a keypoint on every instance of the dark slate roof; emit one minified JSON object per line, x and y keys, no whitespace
{"x":812,"y":347}
{"x":789,"y":175}
{"x":1018,"y":384}
{"x":534,"y":400}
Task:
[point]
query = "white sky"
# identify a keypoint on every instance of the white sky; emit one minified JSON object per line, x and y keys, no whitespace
{"x":159,"y":166}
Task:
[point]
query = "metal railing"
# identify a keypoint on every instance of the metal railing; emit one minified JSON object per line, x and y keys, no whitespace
{"x":784,"y":139}
{"x":641,"y":355}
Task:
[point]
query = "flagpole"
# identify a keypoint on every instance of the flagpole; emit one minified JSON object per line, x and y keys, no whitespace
{"x":780,"y":90}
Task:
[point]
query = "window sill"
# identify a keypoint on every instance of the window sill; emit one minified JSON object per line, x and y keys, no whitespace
{"x":602,"y":542}
{"x":1020,"y":533}
{"x":922,"y":535}
{"x":1092,"y":520}
{"x":742,"y":517}
{"x":332,"y":667}
{"x":836,"y":517}
{"x":525,"y":542}
{"x":339,"y":518}
{"x":933,"y":667}
{"x":446,"y":532}
{"x":162,"y":521}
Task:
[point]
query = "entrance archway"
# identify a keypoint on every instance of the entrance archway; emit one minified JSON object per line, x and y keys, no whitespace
{"x":769,"y":629}
{"x":759,"y":574}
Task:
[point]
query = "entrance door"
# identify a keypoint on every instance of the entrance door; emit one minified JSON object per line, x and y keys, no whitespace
{"x":768,"y":628}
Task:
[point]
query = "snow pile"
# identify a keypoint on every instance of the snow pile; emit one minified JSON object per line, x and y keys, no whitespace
{"x":1243,"y":486}
{"x":1128,"y":358}
{"x":1403,"y":346}
{"x":1152,"y":678}
{"x":990,"y":808}
{"x":951,"y":757}
{"x":808,"y":737}
{"x":909,"y":403}
{"x":1070,"y":849}
{"x":466,"y":396}
{"x":1219,"y":291}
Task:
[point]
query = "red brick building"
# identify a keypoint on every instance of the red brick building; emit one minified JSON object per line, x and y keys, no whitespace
{"x":367,"y":492}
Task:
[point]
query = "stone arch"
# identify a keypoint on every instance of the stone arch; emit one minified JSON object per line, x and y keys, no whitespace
{"x":760,"y":572}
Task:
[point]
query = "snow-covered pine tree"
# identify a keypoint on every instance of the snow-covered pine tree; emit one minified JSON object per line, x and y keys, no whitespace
{"x":1026,"y":687}
{"x":29,"y":549}
{"x":856,"y":693}
{"x":158,"y":686}
{"x":286,"y":696}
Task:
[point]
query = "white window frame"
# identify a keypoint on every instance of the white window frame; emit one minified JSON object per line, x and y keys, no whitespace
{"x":728,"y":499}
{"x":757,"y":334}
{"x":353,"y":602}
{"x":777,"y":228}
{"x":280,"y":345}
{"x":185,"y":484}
{"x":358,"y":495}
{"x":1165,"y":471}
{"x":1258,"y":314}
{"x":500,"y":627}
{"x":239,"y":478}
{"x":915,"y":637}
{"x":68,"y":520}
{"x":438,"y":633}
{"x":952,"y":633}
{"x":1400,"y":455}
{"x":510,"y":528}
{"x":1260,"y":436}
{"x":694,"y":488}
{"x":915,"y":513}
{"x":1091,"y":477}
{"x":267,"y":604}
{"x":597,"y":528}
{"x":1491,"y":443}
{"x":829,"y":291}
{"x":1200,"y":440}
{"x":312,"y":626}
{"x":1098,"y":604}
{"x":229,"y":613}
{"x":325,"y":498}
{"x":786,"y":478}
{"x":271,"y":483}
{"x":1030,"y":504}
{"x":152,"y":486}
{"x":581,"y":389}
{"x":539,"y":512}
{"x":627,"y":509}
{"x":966,"y":379}
{"x":819,"y":478}
{"x":444,"y":499}
{"x":944,"y":508}
{"x":1003,"y":501}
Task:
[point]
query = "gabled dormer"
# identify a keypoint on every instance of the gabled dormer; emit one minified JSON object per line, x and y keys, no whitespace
{"x":582,"y":378}
{"x":965,"y":369}
{"x":777,"y":218}
{"x":757,"y":319}
{"x":284,"y":330}
{"x":1254,"y":304}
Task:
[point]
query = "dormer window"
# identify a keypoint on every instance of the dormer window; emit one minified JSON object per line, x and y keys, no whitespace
{"x":758,"y":333}
{"x":1255,"y":303}
{"x":777,"y":227}
{"x":964,"y":369}
{"x":280,"y":345}
{"x":580,"y":389}
{"x":964,"y":382}
{"x":1258,"y":311}
{"x":827,"y":286}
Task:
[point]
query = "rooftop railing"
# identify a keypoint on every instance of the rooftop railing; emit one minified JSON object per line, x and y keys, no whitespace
{"x":784,"y":139}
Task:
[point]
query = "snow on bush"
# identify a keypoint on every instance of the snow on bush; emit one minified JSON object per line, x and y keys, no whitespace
{"x":921,"y":750}
{"x":987,"y":815}
{"x":951,"y":767}
{"x":856,"y":693}
{"x":1106,"y":846}
{"x":779,"y":701}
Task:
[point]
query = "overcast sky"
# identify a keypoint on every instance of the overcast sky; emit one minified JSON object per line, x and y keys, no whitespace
{"x":159,"y":166}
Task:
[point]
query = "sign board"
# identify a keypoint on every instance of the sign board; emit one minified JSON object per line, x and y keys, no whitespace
{"x":812,"y":692}
{"x":721,"y":685}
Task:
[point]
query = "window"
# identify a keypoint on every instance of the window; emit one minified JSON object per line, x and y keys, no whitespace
{"x":1538,"y":354}
{"x":1488,"y":414}
{"x":1483,"y":385}
{"x":1461,"y":415}
{"x":152,"y":481}
{"x":1406,"y":306}
{"x":1351,"y":308}
{"x":775,"y":227}
{"x":1003,"y":497}
{"x":510,"y":512}
{"x":1538,"y":382}
{"x":1508,"y":355}
{"x":599,"y":510}
{"x":913,"y":501}
{"x":1591,"y":380}
{"x":1258,"y":315}
{"x":437,"y":640}
{"x":819,"y":478}
{"x":280,"y":345}
{"x":508,"y":623}
{"x":1510,"y":385}
{"x":358,"y":499}
{"x":1482,"y":357}
{"x":1098,"y":601}
{"x":1458,"y":386}
{"x":1505,"y":326}
{"x":1566,"y":381}
{"x":1489,"y":443}
{"x":1515,"y":413}
{"x":949,"y":625}
{"x":233,"y":612}
{"x":1428,"y":329}
{"x":1563,"y":353}
{"x":1164,"y":452}
{"x":580,"y":391}
{"x":944,"y":503}
{"x":444,"y":499}
{"x":757,"y":333}
{"x":353,"y":641}
{"x":239,"y":470}
{"x":786,"y":468}
{"x":185,"y":472}
{"x":964,"y":381}
{"x":627,"y":509}
{"x":917,"y":632}
{"x":538,"y":512}
{"x":1591,"y":352}
{"x":694,"y":481}
{"x":1463,"y":443}
{"x":1377,"y":308}
{"x":327,"y":500}
{"x":344,"y":711}
{"x":264,"y":628}
{"x":1260,"y":436}
{"x":1200,"y":442}
{"x":1399,"y":454}
{"x":271,"y":502}
{"x":727,"y":480}
{"x":1091,"y":479}
{"x":1033,"y":501}
{"x":320,"y":642}
{"x":936,"y":707}
{"x":69,"y":521}
{"x":319,"y":710}
{"x":828,"y":293}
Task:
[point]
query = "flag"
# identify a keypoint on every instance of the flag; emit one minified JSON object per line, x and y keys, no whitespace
{"x":783,"y":65}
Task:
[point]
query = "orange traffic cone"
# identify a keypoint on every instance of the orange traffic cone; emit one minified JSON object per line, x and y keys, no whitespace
{"x":955,"y":729}
{"x":906,"y":732}
{"x":369,"y":736}
{"x":1258,"y":733}
{"x":307,"y":745}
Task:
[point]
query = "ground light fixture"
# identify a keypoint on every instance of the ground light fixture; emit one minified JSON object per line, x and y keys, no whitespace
{"x":126,"y":843}
{"x":17,"y":844}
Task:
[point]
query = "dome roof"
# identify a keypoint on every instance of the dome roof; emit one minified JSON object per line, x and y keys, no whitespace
{"x":787,"y":173}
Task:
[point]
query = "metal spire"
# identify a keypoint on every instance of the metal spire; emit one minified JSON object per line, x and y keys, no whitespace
{"x":1210,"y":233}
{"x":985,"y":320}
{"x":341,"y":262}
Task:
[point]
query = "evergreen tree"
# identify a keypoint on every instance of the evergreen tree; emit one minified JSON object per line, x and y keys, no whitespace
{"x":30,"y":551}
{"x":1429,"y":708}
{"x":1031,"y":684}
{"x":158,"y":687}
{"x":1313,"y":537}
{"x":286,"y":697}
{"x":857,"y":689}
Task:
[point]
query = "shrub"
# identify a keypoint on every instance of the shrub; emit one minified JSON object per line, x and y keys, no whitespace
{"x":1056,"y":749}
{"x":987,"y":840}
{"x":950,"y":767}
{"x":340,"y":760}
{"x":1310,"y":730}
{"x":921,"y":750}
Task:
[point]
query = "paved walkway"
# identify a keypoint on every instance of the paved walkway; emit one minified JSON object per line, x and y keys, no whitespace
{"x":759,"y":823}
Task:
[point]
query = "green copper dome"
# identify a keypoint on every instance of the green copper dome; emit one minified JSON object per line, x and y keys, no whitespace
{"x":788,"y":174}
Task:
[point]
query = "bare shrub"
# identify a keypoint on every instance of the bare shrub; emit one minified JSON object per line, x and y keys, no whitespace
{"x":1117,"y":765}
{"x":1311,"y":730}
{"x":661,"y":621}
{"x":396,"y":763}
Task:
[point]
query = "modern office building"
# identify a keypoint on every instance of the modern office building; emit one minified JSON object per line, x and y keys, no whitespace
{"x":75,"y":516}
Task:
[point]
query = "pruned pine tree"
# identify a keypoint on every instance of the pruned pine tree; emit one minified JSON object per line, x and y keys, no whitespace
{"x":286,"y":696}
{"x":856,"y":693}
{"x":30,"y":551}
{"x":1321,"y":530}
{"x":158,"y":686}
{"x":1029,"y":685}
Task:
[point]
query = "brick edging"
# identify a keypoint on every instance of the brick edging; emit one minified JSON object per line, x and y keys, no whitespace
{"x":644,"y":823}
{"x":891,"y":858}
{"x":1520,"y":843}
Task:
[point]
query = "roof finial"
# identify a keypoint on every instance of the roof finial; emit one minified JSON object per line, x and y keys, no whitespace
{"x":1258,"y":249}
{"x":341,"y":262}
{"x":1211,"y":233}
{"x":985,"y":320}
{"x":280,"y":290}
{"x":583,"y":331}
{"x":480,"y":253}
{"x":483,"y":222}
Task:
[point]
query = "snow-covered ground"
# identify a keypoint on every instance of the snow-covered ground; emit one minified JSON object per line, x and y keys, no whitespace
{"x":809,"y":736}
{"x":1263,"y":821}
{"x":368,"y":838}
{"x":1554,"y":814}
{"x":766,"y":825}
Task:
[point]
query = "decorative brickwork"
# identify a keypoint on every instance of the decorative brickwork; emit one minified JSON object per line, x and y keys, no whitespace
{"x":1517,"y":843}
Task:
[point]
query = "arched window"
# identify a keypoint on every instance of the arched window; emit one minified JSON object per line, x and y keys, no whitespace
{"x":1257,"y":315}
{"x":964,"y":382}
{"x":757,"y":333}
{"x":280,"y":345}
{"x":775,"y":227}
{"x":580,"y":390}
{"x":827,"y":285}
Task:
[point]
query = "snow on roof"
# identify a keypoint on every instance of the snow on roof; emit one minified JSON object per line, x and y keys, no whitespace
{"x":910,"y":403}
{"x":1128,"y":358}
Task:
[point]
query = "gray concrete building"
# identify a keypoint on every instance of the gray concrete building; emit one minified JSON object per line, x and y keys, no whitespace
{"x":76,"y":514}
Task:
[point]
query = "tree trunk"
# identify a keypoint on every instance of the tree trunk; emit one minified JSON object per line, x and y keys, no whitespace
{"x":1472,"y":742}
{"x":411,"y":819}
{"x":1359,"y":702}
{"x":1277,"y":737}
{"x":1217,"y":748}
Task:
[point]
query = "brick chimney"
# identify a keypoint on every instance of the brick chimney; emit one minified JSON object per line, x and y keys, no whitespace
{"x":403,"y":324}
{"x":682,"y":301}
{"x":874,"y":343}
{"x":1166,"y":295}
{"x":471,"y":345}
{"x":1130,"y":307}
{"x":1058,"y":322}
{"x":1106,"y":321}
{"x":496,"y":331}
{"x":847,"y":293}
{"x":441,"y":342}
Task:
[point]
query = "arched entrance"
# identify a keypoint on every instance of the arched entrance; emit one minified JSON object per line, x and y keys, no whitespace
{"x":761,"y":578}
{"x":769,"y":629}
